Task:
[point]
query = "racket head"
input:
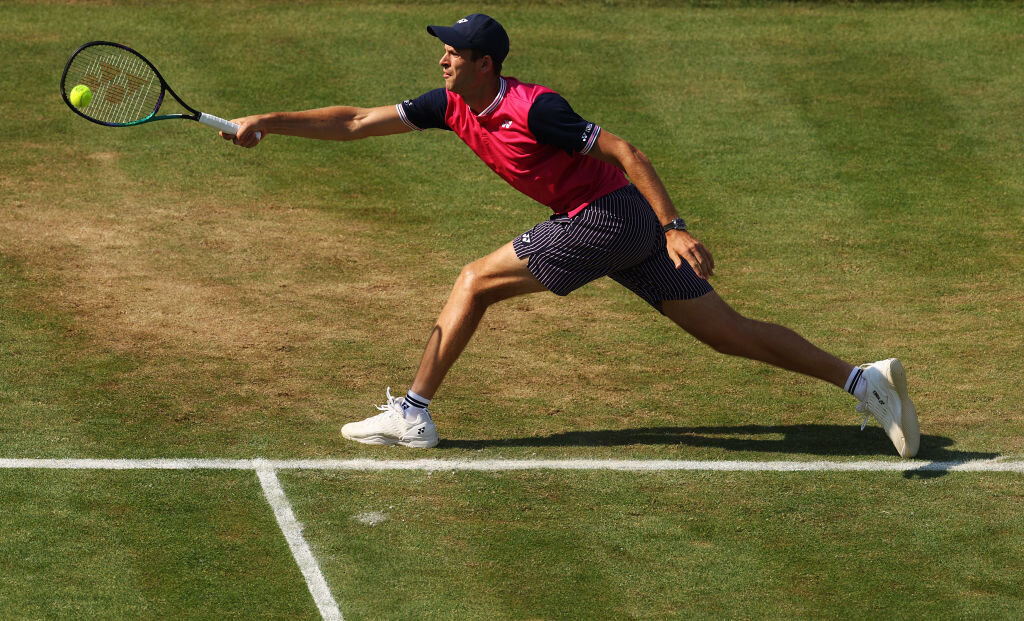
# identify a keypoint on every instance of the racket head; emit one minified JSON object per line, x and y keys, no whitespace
{"x":126,"y":88}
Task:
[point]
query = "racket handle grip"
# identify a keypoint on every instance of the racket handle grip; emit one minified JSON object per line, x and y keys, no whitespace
{"x":221,"y":124}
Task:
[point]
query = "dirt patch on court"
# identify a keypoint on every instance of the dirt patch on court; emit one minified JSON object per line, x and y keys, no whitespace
{"x":267,"y":305}
{"x":250,"y":289}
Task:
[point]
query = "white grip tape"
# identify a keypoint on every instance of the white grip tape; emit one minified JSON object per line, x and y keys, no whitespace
{"x":221,"y":124}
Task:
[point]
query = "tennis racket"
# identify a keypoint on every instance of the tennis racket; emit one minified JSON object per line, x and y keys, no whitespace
{"x":126,"y":88}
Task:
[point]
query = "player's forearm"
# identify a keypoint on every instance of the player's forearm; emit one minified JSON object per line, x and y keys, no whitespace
{"x":641,"y":172}
{"x":614,"y":150}
{"x":332,"y":123}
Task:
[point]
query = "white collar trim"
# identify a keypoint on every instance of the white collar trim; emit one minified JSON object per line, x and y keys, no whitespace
{"x":497,"y":100}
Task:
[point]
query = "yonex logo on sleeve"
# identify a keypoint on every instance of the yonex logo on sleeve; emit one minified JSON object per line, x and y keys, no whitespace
{"x":585,"y":136}
{"x":589,"y":137}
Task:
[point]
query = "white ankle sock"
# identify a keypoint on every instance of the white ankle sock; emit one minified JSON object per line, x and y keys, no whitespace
{"x":856,"y":385}
{"x":415,"y":407}
{"x":416,"y":400}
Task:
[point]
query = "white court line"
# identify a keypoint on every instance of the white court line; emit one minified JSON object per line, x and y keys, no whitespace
{"x":130,"y":464}
{"x":317,"y":584}
{"x":300,"y":549}
{"x":491,"y":465}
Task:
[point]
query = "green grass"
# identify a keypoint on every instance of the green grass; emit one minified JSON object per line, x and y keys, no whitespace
{"x":89,"y":545}
{"x":614,"y":546}
{"x":856,"y":168}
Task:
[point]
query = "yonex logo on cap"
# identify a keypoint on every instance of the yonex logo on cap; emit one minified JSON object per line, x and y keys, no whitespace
{"x":462,"y":21}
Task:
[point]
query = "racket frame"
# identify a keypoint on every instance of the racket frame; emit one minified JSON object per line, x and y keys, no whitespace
{"x":165,"y":88}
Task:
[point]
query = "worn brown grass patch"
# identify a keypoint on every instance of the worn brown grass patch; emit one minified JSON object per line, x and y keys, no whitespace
{"x":280,"y":305}
{"x":164,"y":276}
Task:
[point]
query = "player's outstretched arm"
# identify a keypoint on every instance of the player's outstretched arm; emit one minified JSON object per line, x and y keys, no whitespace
{"x":681,"y":245}
{"x":332,"y":123}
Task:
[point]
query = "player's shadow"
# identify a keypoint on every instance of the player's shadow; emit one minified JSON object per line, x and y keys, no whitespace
{"x":822,"y":440}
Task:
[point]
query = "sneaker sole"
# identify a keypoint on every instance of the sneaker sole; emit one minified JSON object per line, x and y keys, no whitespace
{"x":908,"y":419}
{"x":389,"y":441}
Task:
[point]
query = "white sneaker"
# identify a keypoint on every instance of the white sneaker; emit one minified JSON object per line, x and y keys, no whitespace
{"x":888,"y":401}
{"x":391,"y":427}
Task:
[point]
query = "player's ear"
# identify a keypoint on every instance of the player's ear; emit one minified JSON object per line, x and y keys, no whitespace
{"x":486,"y":63}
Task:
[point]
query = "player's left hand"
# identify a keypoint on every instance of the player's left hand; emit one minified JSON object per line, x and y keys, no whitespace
{"x":685,"y":247}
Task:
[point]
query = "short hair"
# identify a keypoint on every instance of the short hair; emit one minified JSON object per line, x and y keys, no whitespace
{"x":475,"y":55}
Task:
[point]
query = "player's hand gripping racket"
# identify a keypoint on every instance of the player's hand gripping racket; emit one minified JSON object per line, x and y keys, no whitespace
{"x":126,"y":89}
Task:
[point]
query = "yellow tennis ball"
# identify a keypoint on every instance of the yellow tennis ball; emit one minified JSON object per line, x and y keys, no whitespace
{"x":80,"y":96}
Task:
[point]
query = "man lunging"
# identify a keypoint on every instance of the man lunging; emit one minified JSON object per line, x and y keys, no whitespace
{"x":612,"y":217}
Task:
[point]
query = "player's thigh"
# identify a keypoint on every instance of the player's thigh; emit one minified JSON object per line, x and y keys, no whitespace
{"x":499,"y":276}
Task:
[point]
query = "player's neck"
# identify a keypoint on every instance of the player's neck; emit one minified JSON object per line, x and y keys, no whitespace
{"x":481,"y":97}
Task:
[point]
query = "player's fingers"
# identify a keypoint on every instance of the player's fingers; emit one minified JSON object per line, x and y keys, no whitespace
{"x":698,"y":267}
{"x":707,"y":262}
{"x":250,"y":139}
{"x":676,"y":259}
{"x":702,"y":257}
{"x":698,"y":262}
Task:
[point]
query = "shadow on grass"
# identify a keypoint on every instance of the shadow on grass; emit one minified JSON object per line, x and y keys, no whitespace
{"x":823,"y":440}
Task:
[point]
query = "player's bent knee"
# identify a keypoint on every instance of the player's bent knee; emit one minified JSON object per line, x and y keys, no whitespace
{"x":468,"y":280}
{"x":473,"y":283}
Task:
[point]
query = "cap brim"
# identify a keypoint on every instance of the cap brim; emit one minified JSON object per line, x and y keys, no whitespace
{"x":449,"y":35}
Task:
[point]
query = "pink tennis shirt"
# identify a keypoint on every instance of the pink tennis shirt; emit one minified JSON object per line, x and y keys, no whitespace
{"x":530,"y":136}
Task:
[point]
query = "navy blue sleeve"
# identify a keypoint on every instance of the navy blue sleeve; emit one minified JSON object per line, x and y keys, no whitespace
{"x":426,"y":111}
{"x":553,"y":121}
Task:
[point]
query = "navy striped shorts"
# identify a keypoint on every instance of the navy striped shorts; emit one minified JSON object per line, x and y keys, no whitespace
{"x":618,"y":235}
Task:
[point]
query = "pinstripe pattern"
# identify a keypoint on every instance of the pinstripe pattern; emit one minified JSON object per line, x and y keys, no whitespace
{"x":617,"y":235}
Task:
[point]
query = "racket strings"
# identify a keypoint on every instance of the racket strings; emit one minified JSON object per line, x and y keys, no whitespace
{"x":125,"y":89}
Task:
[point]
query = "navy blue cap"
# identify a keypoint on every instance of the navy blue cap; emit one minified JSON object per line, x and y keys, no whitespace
{"x":477,"y":32}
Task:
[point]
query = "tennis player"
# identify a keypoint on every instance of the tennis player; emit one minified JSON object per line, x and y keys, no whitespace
{"x":611,"y":216}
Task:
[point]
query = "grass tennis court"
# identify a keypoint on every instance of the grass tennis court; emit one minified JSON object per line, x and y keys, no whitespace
{"x":857,"y":169}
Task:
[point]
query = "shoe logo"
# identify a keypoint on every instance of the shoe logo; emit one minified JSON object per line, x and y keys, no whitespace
{"x":881,"y":401}
{"x":420,"y":431}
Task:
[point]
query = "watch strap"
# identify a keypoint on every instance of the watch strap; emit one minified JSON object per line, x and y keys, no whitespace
{"x":677,"y":224}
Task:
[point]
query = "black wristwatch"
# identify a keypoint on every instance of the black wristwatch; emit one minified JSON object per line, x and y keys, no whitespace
{"x":676,"y":225}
